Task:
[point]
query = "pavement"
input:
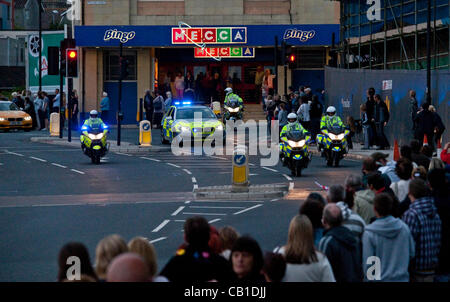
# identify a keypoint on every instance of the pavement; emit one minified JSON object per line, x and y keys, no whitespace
{"x":357,"y":153}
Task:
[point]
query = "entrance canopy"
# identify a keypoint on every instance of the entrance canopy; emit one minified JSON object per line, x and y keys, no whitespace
{"x":211,"y":36}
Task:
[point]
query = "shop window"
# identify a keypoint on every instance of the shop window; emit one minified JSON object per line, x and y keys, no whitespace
{"x":111,"y":65}
{"x":235,"y":72}
{"x":249,"y":75}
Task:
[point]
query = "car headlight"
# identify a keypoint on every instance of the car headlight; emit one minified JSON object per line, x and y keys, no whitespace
{"x":296,"y":144}
{"x":185,"y":129}
{"x":27,"y":118}
{"x":341,"y":136}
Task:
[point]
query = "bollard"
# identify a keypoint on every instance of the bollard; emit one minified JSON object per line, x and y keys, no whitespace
{"x":145,"y":133}
{"x":239,"y":175}
{"x":54,"y":124}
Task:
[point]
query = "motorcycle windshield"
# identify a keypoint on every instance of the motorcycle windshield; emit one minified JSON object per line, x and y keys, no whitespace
{"x":233,"y":103}
{"x":336,"y":130}
{"x":295,"y":135}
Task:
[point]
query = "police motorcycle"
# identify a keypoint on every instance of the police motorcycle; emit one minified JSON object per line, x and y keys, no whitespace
{"x":294,"y":146}
{"x":233,"y":109}
{"x":333,"y":140}
{"x":93,"y":138}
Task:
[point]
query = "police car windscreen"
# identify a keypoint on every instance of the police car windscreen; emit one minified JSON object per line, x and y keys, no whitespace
{"x":190,"y":114}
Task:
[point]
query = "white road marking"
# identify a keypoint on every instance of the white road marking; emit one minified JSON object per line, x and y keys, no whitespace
{"x":250,"y":164}
{"x":287,"y":177}
{"x":217,"y":157}
{"x":13,"y":153}
{"x":1,"y":164}
{"x":158,"y":239}
{"x":173,"y":165}
{"x":207,"y":207}
{"x":214,"y":220}
{"x":253,"y":174}
{"x":195,"y":186}
{"x":163,"y":224}
{"x":187,"y":171}
{"x":187,"y":202}
{"x":58,"y":165}
{"x":123,"y":154}
{"x":194,"y":180}
{"x":148,"y":158}
{"x":248,"y":209}
{"x":178,"y":211}
{"x":76,"y":171}
{"x":291,"y":186}
{"x":276,"y":199}
{"x":39,"y":159}
{"x":270,"y":169}
{"x":201,"y":214}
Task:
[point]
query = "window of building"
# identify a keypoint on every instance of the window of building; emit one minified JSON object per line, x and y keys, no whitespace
{"x":111,"y":65}
{"x":309,"y":58}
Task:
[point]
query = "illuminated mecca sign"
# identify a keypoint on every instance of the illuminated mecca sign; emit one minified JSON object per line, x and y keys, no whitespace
{"x":224,"y":52}
{"x":209,"y":35}
{"x":302,"y":35}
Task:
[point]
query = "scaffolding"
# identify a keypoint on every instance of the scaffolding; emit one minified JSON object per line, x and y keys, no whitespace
{"x":397,"y":40}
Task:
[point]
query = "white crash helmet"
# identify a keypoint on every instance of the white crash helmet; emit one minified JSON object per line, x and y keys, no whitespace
{"x":228,"y":90}
{"x":331,"y":110}
{"x":93,"y":113}
{"x":292,"y":116}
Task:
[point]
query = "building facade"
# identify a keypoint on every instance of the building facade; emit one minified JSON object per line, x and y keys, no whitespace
{"x":224,"y":40}
{"x":391,"y":34}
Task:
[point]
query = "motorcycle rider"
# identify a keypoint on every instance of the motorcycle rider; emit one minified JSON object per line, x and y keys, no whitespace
{"x":329,"y":120}
{"x":230,"y":95}
{"x":293,"y":125}
{"x":93,"y":122}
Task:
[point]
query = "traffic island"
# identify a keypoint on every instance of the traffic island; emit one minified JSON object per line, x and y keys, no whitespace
{"x":255,"y":192}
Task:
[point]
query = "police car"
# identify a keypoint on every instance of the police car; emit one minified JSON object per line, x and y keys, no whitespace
{"x":185,"y":120}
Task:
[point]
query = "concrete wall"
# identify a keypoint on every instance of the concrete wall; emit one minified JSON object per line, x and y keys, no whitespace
{"x":91,"y":74}
{"x":212,"y":12}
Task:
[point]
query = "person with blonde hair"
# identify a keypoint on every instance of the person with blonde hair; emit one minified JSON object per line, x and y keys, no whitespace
{"x":142,"y":247}
{"x":107,"y":249}
{"x":228,"y":236}
{"x":304,"y":262}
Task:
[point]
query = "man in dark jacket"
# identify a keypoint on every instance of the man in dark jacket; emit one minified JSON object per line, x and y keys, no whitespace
{"x":148,"y":105}
{"x":426,"y":123}
{"x":419,"y":158}
{"x":381,"y":116}
{"x":370,"y":107}
{"x":340,"y":246}
{"x":413,"y":109}
{"x":196,"y":262}
{"x":315,"y":114}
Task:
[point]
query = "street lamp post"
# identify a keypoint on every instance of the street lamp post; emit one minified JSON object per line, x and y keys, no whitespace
{"x":40,"y":45}
{"x":429,"y":53}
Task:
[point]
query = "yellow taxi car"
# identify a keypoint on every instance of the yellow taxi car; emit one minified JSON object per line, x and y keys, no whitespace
{"x":11,"y":117}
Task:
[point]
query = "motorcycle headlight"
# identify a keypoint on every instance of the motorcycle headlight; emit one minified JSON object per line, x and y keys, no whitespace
{"x":233,"y":109}
{"x":92,"y":136}
{"x":296,"y":144}
{"x":2,"y":119}
{"x":332,"y":136}
{"x":341,"y":136}
{"x":185,"y":129}
{"x":27,"y":118}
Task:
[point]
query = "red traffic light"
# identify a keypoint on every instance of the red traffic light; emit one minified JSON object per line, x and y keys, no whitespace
{"x":292,"y":58}
{"x":72,"y":54}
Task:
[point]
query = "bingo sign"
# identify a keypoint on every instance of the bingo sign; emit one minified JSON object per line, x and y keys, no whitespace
{"x":224,"y":52}
{"x":209,"y":35}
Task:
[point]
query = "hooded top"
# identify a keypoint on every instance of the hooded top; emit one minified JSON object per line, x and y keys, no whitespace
{"x":390,"y":240}
{"x":352,"y":221}
{"x":344,"y":254}
{"x":364,"y":204}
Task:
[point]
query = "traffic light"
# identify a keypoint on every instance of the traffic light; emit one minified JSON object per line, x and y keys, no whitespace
{"x":72,"y":62}
{"x":123,"y":68}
